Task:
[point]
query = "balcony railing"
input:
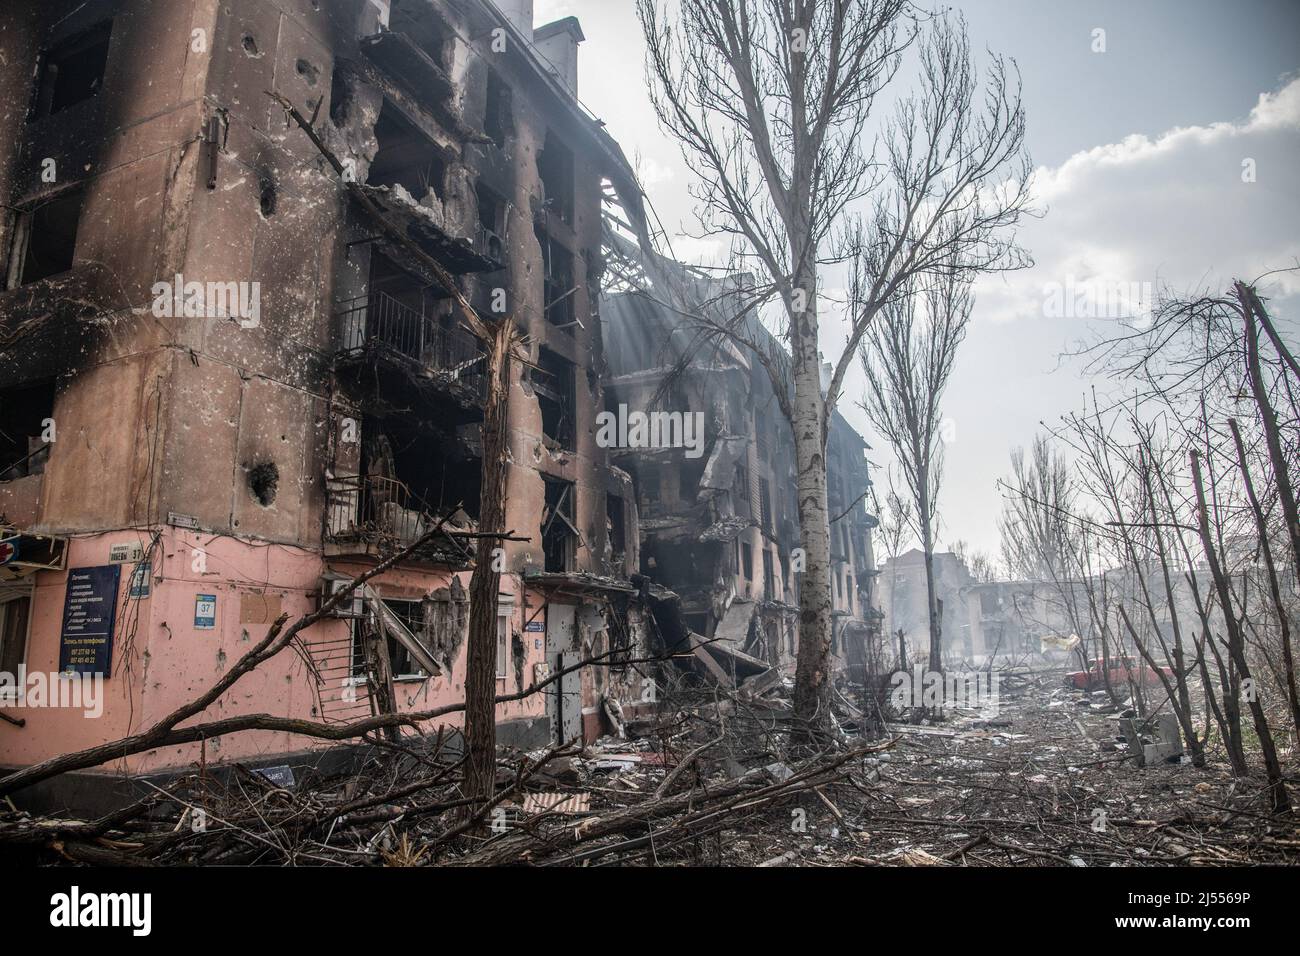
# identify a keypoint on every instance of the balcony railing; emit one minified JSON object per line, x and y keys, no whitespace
{"x":379,"y":322}
{"x":371,"y":514}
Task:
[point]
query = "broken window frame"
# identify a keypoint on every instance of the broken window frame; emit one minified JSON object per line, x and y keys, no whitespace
{"x":616,"y":513}
{"x":24,"y":224}
{"x":82,"y":48}
{"x":498,"y":110}
{"x":565,"y":510}
{"x":557,"y":171}
{"x":557,"y":384}
{"x":394,"y":116}
{"x":25,"y":462}
{"x":742,"y":502}
{"x":15,"y":631}
{"x":769,"y":576}
{"x":492,"y":218}
{"x":397,"y":652}
{"x":559,"y":283}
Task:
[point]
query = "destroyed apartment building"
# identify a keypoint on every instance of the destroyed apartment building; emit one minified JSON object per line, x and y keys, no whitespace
{"x":233,"y":375}
{"x":720,"y":527}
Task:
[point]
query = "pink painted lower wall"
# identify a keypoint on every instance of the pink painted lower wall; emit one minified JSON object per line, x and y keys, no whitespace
{"x":162,"y":660}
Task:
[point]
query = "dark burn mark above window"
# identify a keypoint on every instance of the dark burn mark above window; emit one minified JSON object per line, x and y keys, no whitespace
{"x":72,"y":71}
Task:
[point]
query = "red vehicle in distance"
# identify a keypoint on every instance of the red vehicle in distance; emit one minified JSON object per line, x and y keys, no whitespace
{"x":1121,"y":672}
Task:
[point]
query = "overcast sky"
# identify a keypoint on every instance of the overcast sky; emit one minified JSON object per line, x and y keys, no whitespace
{"x":1139,"y":153}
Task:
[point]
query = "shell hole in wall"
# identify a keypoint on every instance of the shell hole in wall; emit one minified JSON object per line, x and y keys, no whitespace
{"x":264,"y":482}
{"x":267,"y":196}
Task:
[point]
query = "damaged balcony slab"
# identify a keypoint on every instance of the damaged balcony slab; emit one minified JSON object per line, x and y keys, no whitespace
{"x":726,"y":529}
{"x":401,"y":208}
{"x":51,"y":317}
{"x":578,"y":581}
{"x":397,"y":54}
{"x":733,"y":629}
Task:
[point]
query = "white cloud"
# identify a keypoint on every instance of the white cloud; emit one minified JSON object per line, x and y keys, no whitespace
{"x":1173,"y":210}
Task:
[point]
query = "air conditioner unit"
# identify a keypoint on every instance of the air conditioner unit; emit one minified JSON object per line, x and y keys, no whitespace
{"x":353,"y":609}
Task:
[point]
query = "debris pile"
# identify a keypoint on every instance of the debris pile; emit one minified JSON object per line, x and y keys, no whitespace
{"x":717,"y":778}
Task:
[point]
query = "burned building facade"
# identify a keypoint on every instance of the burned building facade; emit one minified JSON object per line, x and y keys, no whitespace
{"x":719,"y":523}
{"x":904,"y":601}
{"x":225,"y":389}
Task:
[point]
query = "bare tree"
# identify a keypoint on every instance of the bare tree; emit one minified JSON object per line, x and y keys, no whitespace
{"x":770,"y":101}
{"x":894,"y":529}
{"x":983,"y":567}
{"x":908,"y":359}
{"x":1190,"y":508}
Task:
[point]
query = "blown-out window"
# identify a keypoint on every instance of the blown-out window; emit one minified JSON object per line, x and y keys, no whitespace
{"x":72,"y":71}
{"x":45,"y":238}
{"x":559,"y":532}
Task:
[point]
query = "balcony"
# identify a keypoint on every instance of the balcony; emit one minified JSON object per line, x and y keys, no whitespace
{"x":378,"y":327}
{"x":401,"y":58}
{"x":376,"y":516}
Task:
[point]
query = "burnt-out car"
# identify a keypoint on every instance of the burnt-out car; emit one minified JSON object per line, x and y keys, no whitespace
{"x":1121,"y":671}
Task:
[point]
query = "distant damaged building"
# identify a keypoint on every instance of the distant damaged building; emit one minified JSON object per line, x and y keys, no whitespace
{"x":719,"y":522}
{"x":226,"y":388}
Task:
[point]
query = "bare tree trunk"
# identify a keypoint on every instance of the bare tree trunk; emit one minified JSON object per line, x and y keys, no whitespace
{"x":932,"y":602}
{"x":1181,"y":668}
{"x":484,"y":584}
{"x":1268,"y":419}
{"x":1274,"y":588}
{"x":782,"y":168}
{"x":1236,"y":648}
{"x":380,"y":667}
{"x":1229,"y":718}
{"x":812,"y":684}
